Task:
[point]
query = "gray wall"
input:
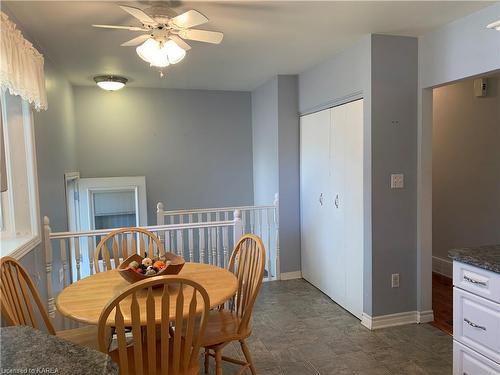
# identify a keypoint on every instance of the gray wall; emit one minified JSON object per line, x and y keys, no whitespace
{"x":55,"y":148}
{"x":458,"y":50}
{"x":394,"y":150}
{"x":289,"y":181}
{"x":193,"y":146}
{"x":265,"y":142}
{"x":275,"y":125}
{"x":383,"y":70}
{"x":345,"y":77}
{"x":465,"y":167}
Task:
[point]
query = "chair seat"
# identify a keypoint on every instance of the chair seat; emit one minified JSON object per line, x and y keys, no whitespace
{"x":222,"y":326}
{"x":130,"y":356}
{"x":84,"y":336}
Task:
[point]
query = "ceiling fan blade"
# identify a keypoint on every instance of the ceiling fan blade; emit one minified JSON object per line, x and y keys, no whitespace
{"x":136,"y":41}
{"x":130,"y":28}
{"x":214,"y":37}
{"x":180,"y":42}
{"x":189,"y":19}
{"x":139,"y":14}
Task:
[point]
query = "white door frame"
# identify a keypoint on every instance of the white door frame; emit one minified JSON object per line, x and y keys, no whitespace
{"x":87,"y":186}
{"x":72,"y":209}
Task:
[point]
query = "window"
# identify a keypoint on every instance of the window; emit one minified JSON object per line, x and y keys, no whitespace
{"x":19,"y":211}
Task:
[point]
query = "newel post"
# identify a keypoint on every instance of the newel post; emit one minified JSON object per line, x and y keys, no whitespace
{"x":277,"y":226}
{"x":238,"y":226}
{"x":48,"y":267}
{"x":160,"y":220}
{"x":160,"y":216}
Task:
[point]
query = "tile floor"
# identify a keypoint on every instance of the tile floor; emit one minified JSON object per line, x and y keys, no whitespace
{"x":299,"y":331}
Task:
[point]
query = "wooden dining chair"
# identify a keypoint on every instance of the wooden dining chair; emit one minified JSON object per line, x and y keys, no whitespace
{"x":157,"y":347}
{"x":234,"y":324}
{"x":124,"y":243}
{"x":19,"y":300}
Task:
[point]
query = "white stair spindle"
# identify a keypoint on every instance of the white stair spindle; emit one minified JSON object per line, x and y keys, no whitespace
{"x":209,"y":243}
{"x":277,"y":225}
{"x":190,"y":244}
{"x":64,"y":261}
{"x":252,"y":221}
{"x":77,"y":257}
{"x":201,"y":233}
{"x":48,"y":267}
{"x":225,"y":242}
{"x":269,"y":252}
{"x":218,"y":240}
{"x":90,"y":250}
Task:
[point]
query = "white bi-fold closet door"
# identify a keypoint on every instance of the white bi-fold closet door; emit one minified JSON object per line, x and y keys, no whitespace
{"x":331,"y":193}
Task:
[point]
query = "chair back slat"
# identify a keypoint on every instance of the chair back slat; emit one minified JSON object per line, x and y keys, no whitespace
{"x":161,"y":346}
{"x":17,"y":292}
{"x":121,"y":249}
{"x":247,"y":263}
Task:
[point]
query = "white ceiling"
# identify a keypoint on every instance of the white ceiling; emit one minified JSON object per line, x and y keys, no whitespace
{"x":262,"y":39}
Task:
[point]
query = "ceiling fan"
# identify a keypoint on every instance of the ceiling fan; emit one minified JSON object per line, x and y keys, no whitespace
{"x":163,"y":44}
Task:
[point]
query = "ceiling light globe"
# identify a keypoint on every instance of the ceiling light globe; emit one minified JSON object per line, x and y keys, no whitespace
{"x":151,"y":52}
{"x":174,"y":52}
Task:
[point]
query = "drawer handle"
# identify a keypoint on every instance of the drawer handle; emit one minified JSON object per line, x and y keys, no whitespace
{"x":474,"y":324}
{"x":483,"y":283}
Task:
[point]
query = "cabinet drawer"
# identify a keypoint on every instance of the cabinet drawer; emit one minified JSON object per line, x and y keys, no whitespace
{"x":467,"y":362}
{"x":476,"y":280}
{"x":476,"y":323}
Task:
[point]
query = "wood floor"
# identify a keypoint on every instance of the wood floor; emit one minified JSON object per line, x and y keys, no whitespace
{"x":297,"y":330}
{"x":442,"y":302}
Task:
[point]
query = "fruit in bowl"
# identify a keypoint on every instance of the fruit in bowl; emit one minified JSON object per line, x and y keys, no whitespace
{"x":136,"y":268}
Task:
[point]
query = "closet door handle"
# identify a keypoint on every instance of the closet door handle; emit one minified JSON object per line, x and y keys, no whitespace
{"x":336,"y":202}
{"x":320,"y":199}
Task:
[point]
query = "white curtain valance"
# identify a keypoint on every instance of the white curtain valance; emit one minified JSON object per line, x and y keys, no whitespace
{"x":21,"y":65}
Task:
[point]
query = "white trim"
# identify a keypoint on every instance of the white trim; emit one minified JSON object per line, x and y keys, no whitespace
{"x":425,"y":316}
{"x":398,"y":319}
{"x":19,"y":246}
{"x":291,"y":275}
{"x":442,"y":266}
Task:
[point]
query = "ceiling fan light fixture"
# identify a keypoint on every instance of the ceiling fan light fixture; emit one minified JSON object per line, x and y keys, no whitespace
{"x":494,"y":25}
{"x":160,"y":54}
{"x":110,"y":82}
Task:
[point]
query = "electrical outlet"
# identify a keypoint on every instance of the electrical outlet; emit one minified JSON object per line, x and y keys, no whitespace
{"x":397,"y":181}
{"x":395,"y":280}
{"x":61,"y":275}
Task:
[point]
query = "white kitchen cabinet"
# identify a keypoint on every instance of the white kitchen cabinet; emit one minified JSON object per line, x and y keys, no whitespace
{"x":476,"y":320}
{"x":331,"y":179}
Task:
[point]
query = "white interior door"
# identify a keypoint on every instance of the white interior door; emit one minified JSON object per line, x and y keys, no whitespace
{"x":314,"y":150}
{"x":331,"y":191}
{"x":347,"y":216}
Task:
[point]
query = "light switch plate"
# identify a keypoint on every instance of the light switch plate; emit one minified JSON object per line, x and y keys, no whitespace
{"x":397,"y":181}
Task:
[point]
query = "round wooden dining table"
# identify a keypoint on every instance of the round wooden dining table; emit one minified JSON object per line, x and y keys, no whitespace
{"x":84,"y":300}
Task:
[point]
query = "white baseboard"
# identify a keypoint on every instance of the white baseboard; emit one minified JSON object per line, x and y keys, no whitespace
{"x":425,"y":316}
{"x":291,"y":275}
{"x":399,"y":319}
{"x":442,"y":266}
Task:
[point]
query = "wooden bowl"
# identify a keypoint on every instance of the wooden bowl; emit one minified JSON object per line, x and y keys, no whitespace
{"x":131,"y":276}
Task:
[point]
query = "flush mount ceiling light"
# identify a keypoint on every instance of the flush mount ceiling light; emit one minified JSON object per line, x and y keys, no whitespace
{"x":494,"y":25}
{"x":110,"y":83}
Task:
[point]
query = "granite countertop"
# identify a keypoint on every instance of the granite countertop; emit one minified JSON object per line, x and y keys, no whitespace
{"x":486,"y":257}
{"x":25,"y":350}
